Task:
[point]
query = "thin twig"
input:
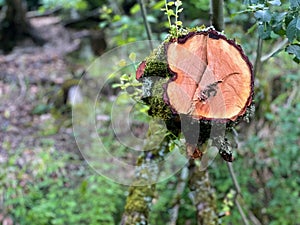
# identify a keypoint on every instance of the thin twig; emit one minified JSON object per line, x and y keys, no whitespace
{"x":291,"y":97}
{"x":258,"y":56}
{"x":147,"y":25}
{"x":233,"y":177}
{"x":254,"y":219}
{"x":238,"y":193}
{"x":276,"y":49}
{"x":240,"y":209}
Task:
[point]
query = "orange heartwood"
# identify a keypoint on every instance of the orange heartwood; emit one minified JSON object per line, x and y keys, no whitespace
{"x":212,"y":78}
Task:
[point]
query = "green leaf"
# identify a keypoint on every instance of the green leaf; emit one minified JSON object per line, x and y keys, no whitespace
{"x":294,"y":49}
{"x":297,"y":60}
{"x":116,"y":18}
{"x":264,"y":31}
{"x":275,"y":2}
{"x":41,"y":109}
{"x":263,"y":15}
{"x":158,"y":5}
{"x":251,"y":29}
{"x":180,"y":10}
{"x":293,"y":29}
{"x":278,"y":17}
{"x":135,"y":9}
{"x":179,"y":23}
{"x":132,"y":56}
{"x":171,"y":3}
{"x":170,"y":12}
{"x":295,"y":3}
{"x":151,"y":19}
{"x":298,"y":23}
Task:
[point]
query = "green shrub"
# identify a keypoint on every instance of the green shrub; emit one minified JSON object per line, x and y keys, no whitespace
{"x":54,"y":188}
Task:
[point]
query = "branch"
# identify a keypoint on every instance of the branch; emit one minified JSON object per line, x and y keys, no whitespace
{"x":233,"y":177}
{"x":141,"y":192}
{"x":146,"y":23}
{"x":217,"y":19}
{"x":257,"y":63}
{"x":36,"y":14}
{"x":179,"y":190}
{"x":238,"y":193}
{"x":276,"y":49}
{"x":202,"y":195}
{"x":93,"y":14}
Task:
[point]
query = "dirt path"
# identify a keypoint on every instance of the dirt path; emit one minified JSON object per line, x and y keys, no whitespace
{"x":23,"y":74}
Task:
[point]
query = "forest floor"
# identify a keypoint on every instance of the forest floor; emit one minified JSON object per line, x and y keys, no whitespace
{"x":24,"y":73}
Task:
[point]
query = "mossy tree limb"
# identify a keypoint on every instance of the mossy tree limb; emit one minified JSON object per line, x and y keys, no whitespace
{"x":142,"y":190}
{"x":203,"y":195}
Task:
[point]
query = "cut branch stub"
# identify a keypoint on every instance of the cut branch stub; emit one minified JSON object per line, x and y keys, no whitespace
{"x":213,"y":79}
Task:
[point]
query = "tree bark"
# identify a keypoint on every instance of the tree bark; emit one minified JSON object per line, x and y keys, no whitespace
{"x":202,"y":195}
{"x":217,"y":14}
{"x":15,"y":26}
{"x":181,"y":184}
{"x":142,"y":190}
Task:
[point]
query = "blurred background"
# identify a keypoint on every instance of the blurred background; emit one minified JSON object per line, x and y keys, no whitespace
{"x":46,"y":47}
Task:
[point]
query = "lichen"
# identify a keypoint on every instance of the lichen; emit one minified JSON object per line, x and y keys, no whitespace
{"x":203,"y":195}
{"x":139,"y":199}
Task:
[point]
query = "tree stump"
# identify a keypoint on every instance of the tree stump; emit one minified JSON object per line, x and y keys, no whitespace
{"x":212,"y":77}
{"x":200,"y":77}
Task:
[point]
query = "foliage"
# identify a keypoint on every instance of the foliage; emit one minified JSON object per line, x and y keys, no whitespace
{"x":124,"y":29}
{"x":268,"y":172}
{"x":171,"y":13}
{"x":53,"y":188}
{"x":166,"y":199}
{"x":275,"y":19}
{"x":77,"y":4}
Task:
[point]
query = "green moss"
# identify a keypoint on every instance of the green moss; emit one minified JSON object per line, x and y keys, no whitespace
{"x":138,"y":204}
{"x":138,"y":199}
{"x":157,"y":71}
{"x":156,"y":64}
{"x":158,"y":107}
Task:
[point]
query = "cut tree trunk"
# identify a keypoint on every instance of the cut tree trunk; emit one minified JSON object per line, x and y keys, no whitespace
{"x":201,"y":79}
{"x":16,"y":26}
{"x":212,"y":77}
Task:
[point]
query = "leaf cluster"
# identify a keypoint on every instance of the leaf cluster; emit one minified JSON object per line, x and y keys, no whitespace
{"x":173,"y":16}
{"x":55,"y":189}
{"x":275,"y":19}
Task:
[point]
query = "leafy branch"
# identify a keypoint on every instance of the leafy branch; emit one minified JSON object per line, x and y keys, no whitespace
{"x":171,"y":14}
{"x":272,"y":24}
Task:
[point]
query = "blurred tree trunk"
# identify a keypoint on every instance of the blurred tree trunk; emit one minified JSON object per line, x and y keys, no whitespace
{"x":217,"y":14}
{"x":15,"y":26}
